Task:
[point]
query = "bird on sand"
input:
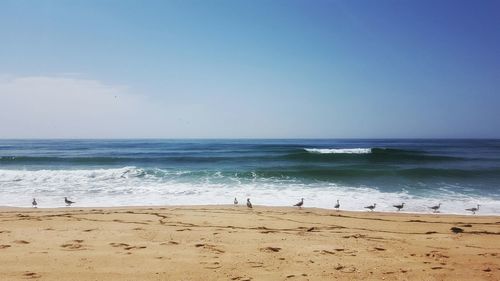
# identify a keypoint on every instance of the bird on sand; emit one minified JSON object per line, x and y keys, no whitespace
{"x":435,"y":208}
{"x":399,"y":207}
{"x":300,"y":203}
{"x":34,"y":203}
{"x":249,"y":204}
{"x":68,"y":202}
{"x":235,"y":201}
{"x":473,"y":210}
{"x":337,"y":206}
{"x":371,"y":207}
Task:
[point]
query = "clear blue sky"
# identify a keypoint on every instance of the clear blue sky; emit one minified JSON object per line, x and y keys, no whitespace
{"x":369,"y":69}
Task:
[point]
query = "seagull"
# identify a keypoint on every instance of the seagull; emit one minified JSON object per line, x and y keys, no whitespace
{"x":337,"y":206}
{"x":371,"y":207}
{"x":435,"y":208}
{"x":249,"y":205}
{"x":68,"y":202}
{"x":235,"y":201}
{"x":34,"y":203}
{"x":399,"y":207}
{"x":473,"y":210}
{"x":300,"y":203}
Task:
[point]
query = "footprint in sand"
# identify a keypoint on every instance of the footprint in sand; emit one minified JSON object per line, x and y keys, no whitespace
{"x":127,"y":246}
{"x":270,"y":249}
{"x":241,"y":278}
{"x":31,"y":275}
{"x":74,"y":245}
{"x":436,"y":255}
{"x":170,"y":243}
{"x":256,"y":264}
{"x":134,"y":247}
{"x":436,"y":267}
{"x":184,"y":229}
{"x":21,"y":242}
{"x":357,"y":235}
{"x":345,"y":269}
{"x":119,"y":244}
{"x":212,"y":248}
{"x":214,"y":265}
{"x":4,"y":246}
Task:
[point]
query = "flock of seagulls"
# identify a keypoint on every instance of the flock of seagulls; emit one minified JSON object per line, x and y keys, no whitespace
{"x":300,"y":204}
{"x":370,"y":207}
{"x":66,"y":200}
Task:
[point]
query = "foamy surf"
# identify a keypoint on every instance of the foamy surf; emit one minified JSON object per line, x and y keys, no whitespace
{"x":339,"y":150}
{"x":459,"y":174}
{"x":131,"y":186}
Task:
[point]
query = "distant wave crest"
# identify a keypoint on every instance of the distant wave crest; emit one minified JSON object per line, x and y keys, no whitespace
{"x":339,"y":150}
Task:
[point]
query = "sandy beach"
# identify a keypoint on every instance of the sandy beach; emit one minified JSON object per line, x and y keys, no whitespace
{"x":235,"y":243}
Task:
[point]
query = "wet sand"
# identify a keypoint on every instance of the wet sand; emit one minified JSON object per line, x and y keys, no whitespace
{"x":235,"y":243}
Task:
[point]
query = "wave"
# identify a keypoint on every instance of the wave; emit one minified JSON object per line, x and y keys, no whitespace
{"x":339,"y":150}
{"x":129,"y":186}
{"x":368,"y":155}
{"x":290,"y":155}
{"x":305,"y":174}
{"x":127,"y":160}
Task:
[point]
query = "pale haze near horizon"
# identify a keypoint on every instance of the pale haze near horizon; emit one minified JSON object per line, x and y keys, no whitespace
{"x":259,"y":69}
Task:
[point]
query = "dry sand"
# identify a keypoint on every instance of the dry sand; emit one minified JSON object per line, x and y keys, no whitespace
{"x":235,"y":243}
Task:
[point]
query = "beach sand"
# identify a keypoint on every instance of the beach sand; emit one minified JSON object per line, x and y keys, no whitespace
{"x":235,"y":243}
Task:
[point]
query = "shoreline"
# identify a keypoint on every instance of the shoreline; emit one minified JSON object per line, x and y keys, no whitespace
{"x":242,"y":205}
{"x":225,"y":242}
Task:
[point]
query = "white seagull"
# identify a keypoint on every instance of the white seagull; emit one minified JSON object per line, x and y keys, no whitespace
{"x":337,"y":206}
{"x":371,"y":207}
{"x":473,"y":210}
{"x":399,"y":207}
{"x":300,"y":203}
{"x":435,"y":208}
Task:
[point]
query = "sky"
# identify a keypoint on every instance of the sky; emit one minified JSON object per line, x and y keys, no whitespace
{"x":250,"y":69}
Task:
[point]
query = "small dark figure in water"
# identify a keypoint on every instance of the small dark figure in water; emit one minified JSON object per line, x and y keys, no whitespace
{"x":235,"y":201}
{"x":34,"y":203}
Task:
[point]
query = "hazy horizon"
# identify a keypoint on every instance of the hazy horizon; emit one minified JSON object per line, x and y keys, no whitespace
{"x":249,"y":70}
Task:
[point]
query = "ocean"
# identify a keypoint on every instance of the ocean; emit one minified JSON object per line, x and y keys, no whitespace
{"x":358,"y":172}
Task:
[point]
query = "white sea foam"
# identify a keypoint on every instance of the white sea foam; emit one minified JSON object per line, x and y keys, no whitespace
{"x":130,"y":186}
{"x":339,"y":150}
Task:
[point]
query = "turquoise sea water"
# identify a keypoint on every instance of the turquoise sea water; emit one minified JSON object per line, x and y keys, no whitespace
{"x":457,"y":173}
